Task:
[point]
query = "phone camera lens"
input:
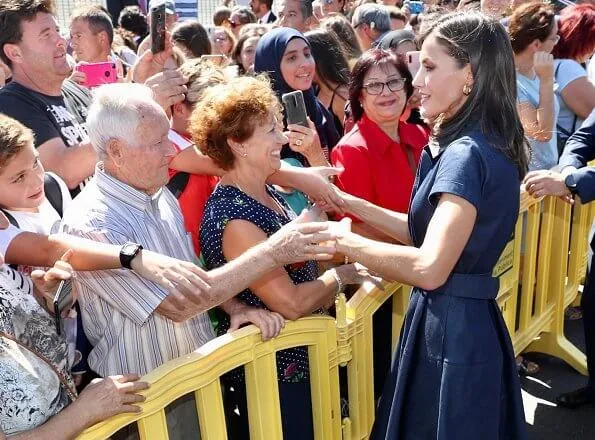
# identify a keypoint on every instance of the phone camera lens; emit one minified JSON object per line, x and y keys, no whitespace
{"x":107,"y":73}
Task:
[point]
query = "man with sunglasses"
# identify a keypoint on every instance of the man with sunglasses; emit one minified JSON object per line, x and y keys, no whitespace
{"x":240,"y":16}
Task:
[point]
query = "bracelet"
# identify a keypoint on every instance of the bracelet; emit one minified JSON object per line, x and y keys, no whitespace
{"x":340,"y":285}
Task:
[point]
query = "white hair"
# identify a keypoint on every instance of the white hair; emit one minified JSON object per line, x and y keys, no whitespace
{"x":114,"y":114}
{"x":374,"y":15}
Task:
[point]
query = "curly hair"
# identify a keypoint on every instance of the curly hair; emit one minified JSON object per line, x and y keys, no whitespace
{"x":231,"y":111}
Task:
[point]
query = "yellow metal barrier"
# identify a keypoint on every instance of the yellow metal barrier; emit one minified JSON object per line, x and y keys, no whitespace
{"x":200,"y":372}
{"x":540,"y":271}
{"x":582,"y":217}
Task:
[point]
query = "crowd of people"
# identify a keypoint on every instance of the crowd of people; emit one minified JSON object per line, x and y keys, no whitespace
{"x":180,"y":202}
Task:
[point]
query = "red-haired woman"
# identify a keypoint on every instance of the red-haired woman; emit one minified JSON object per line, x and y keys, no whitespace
{"x":575,"y":92}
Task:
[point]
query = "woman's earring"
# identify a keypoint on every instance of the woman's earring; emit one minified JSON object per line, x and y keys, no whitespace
{"x":467,"y":89}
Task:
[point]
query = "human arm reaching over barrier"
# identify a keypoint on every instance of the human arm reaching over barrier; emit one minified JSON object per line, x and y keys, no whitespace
{"x":575,"y":176}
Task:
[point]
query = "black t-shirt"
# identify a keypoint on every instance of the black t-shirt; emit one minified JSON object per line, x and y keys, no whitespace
{"x":48,"y":116}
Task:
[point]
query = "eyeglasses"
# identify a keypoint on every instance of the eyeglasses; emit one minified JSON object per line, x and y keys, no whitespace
{"x":394,"y":85}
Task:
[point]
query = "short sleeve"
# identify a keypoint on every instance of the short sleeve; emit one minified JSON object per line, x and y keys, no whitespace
{"x":461,"y":172}
{"x":523,"y":94}
{"x":29,"y":114}
{"x":6,"y":236}
{"x":568,"y":71}
{"x":356,"y":178}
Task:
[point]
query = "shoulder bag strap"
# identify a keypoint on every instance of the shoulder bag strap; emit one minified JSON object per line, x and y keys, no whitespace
{"x":53,"y":193}
{"x":70,"y":390}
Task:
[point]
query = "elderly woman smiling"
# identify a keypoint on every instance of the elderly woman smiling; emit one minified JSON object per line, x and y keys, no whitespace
{"x":381,"y":152}
{"x":238,"y":125}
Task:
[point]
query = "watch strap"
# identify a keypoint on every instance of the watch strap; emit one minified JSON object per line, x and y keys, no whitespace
{"x":128,"y":252}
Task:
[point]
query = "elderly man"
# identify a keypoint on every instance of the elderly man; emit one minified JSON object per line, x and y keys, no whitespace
{"x":126,"y":318}
{"x":371,"y":22}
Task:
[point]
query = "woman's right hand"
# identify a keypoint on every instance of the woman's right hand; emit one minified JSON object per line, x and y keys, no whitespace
{"x":356,"y":273}
{"x":543,"y":63}
{"x":104,"y":398}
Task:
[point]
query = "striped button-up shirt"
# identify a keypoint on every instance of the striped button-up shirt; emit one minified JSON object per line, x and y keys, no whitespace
{"x":118,"y":306}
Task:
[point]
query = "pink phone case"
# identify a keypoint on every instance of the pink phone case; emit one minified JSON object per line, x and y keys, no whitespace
{"x":99,"y":73}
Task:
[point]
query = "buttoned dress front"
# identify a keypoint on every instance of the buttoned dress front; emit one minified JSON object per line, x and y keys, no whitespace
{"x":453,"y":375}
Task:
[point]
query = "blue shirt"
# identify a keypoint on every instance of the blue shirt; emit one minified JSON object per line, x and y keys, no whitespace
{"x":544,"y":155}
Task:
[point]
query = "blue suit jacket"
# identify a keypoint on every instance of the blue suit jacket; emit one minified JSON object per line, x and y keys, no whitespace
{"x":579,"y":150}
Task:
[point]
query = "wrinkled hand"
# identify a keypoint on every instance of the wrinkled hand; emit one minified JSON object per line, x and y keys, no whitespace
{"x":547,"y":183}
{"x":187,"y":284}
{"x":269,"y":323}
{"x":298,"y":241}
{"x":543,"y":63}
{"x":169,"y":88}
{"x":357,"y":274}
{"x":317,"y":186}
{"x":104,"y":398}
{"x":46,"y":282}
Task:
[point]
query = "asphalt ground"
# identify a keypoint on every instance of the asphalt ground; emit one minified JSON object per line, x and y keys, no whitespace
{"x":545,"y":421}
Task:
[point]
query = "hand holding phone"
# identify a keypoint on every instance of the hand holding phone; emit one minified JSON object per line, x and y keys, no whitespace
{"x":295,"y":108}
{"x":97,"y":74}
{"x":158,"y":28}
{"x":63,"y":300}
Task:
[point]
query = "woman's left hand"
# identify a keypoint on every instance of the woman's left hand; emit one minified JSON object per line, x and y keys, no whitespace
{"x":303,"y":140}
{"x":269,"y":323}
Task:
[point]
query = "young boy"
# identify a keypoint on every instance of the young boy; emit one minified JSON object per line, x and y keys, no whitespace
{"x":23,"y":200}
{"x":22,"y":194}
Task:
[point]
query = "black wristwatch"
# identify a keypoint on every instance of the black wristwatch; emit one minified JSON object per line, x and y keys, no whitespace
{"x":128,"y":252}
{"x":570,"y":183}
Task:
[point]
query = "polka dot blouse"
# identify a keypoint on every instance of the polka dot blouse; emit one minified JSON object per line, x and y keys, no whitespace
{"x":230,"y":203}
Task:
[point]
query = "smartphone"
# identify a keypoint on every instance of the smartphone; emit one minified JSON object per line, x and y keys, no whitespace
{"x":98,"y":73}
{"x":413,"y":62}
{"x":295,"y":108}
{"x":62,"y":301}
{"x":218,"y":60}
{"x":158,"y":29}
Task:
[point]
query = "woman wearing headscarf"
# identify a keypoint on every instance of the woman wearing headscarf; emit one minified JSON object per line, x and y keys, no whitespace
{"x":285,"y":55}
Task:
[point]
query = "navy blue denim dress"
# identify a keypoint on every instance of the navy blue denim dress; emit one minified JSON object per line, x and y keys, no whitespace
{"x":454,"y":376}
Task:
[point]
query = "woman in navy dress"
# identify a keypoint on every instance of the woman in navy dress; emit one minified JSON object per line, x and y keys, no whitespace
{"x":453,"y":375}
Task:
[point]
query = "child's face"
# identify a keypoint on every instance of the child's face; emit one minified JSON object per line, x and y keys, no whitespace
{"x":21,"y":181}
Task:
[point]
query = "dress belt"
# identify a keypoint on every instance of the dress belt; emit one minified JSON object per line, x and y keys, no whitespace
{"x":474,"y":286}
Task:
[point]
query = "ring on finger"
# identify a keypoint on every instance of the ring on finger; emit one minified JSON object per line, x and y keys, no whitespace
{"x":298,"y":142}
